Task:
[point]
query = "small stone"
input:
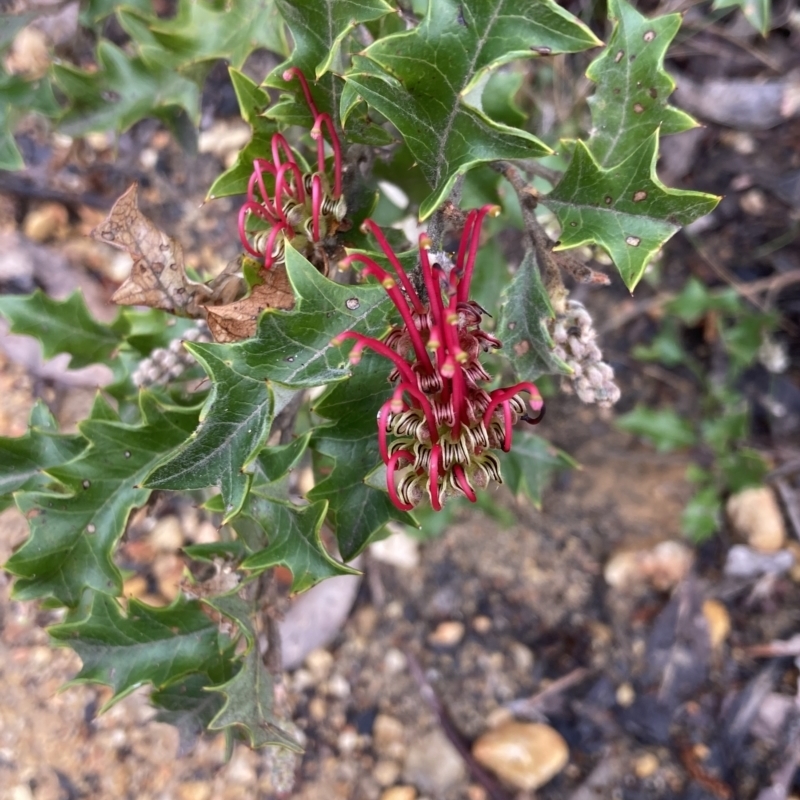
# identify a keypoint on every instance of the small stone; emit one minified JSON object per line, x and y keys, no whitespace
{"x":399,"y":550}
{"x":317,"y":709}
{"x":21,"y":792}
{"x":745,"y":562}
{"x":447,"y":634}
{"x":719,"y":622}
{"x":394,"y":661}
{"x":135,"y":587}
{"x":319,"y":663}
{"x":646,"y":765}
{"x":753,"y":202}
{"x":625,"y":695}
{"x":523,"y":657}
{"x":433,"y":764}
{"x":755,"y":516}
{"x":45,"y":222}
{"x":168,"y":570}
{"x":167,"y":534}
{"x":338,"y":687}
{"x":29,"y":54}
{"x":400,"y":793}
{"x":524,"y":755}
{"x":664,"y":566}
{"x":482,"y":624}
{"x":386,"y":772}
{"x":386,"y":731}
{"x":348,"y":740}
{"x":194,"y":790}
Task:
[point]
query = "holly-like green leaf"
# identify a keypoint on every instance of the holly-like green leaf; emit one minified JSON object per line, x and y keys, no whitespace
{"x":23,"y":459}
{"x":666,"y":429}
{"x":249,"y":706}
{"x":73,"y":534}
{"x":122,"y":91}
{"x":203,"y":31}
{"x":318,"y":29}
{"x":630,"y":103}
{"x":62,"y":326}
{"x":294,"y":542}
{"x":522,"y":327}
{"x":701,"y":517}
{"x":275,"y":462}
{"x":253,"y":101}
{"x":419,"y":80}
{"x":146,"y":645}
{"x":233,"y":427}
{"x":357,"y":511}
{"x":530,"y":465}
{"x":189,"y":704}
{"x":625,"y":209}
{"x":294,"y":347}
{"x":248,"y":694}
{"x":756,"y":12}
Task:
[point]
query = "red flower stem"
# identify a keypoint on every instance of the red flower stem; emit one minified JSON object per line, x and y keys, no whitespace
{"x":433,"y":477}
{"x":459,"y":356}
{"x":398,"y":267}
{"x":461,"y":480}
{"x":403,"y":367}
{"x":294,"y":72}
{"x":278,"y":144}
{"x":316,"y":204}
{"x":259,"y":167}
{"x":434,"y":292}
{"x":316,"y":133}
{"x":508,"y":424}
{"x":392,"y":289}
{"x":474,"y":239}
{"x":499,"y":395}
{"x":281,"y":186}
{"x":466,"y":238}
{"x":391,"y":466}
{"x":424,"y":403}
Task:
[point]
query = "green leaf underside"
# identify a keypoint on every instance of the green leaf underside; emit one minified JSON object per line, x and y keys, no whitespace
{"x":294,"y":542}
{"x":531,"y":463}
{"x":666,"y":429}
{"x":418,"y":80}
{"x":630,"y":102}
{"x":235,"y":425}
{"x":318,"y":29}
{"x":625,"y":209}
{"x":62,"y":326}
{"x":23,"y":459}
{"x":74,"y":534}
{"x":148,"y":645}
{"x":357,"y":511}
{"x":294,"y":347}
{"x":522,"y":327}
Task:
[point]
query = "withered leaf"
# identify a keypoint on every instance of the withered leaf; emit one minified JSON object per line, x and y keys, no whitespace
{"x":158,"y":277}
{"x":236,"y":321}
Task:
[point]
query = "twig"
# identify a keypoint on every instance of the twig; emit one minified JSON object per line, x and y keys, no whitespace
{"x":534,"y":168}
{"x":789,"y":497}
{"x":539,"y":240}
{"x":532,"y":706}
{"x":16,"y":185}
{"x":439,"y":220}
{"x":492,"y":788}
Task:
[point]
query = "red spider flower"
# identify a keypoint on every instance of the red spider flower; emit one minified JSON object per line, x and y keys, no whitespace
{"x":303,"y":207}
{"x":443,"y":425}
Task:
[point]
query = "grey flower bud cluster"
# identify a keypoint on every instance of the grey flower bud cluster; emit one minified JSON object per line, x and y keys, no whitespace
{"x":574,"y":336}
{"x":167,"y":364}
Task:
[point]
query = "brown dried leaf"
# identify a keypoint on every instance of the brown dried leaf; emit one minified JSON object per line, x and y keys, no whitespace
{"x":158,"y":276}
{"x":236,"y":321}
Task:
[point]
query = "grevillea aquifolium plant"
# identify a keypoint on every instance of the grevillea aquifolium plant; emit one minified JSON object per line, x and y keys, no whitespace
{"x":396,"y":378}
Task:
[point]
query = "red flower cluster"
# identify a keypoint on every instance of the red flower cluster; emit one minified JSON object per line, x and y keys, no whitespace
{"x":443,"y":423}
{"x":302,"y":207}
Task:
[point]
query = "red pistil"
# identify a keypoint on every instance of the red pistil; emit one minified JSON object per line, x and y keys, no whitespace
{"x":316,"y":133}
{"x":424,"y":404}
{"x":295,"y":72}
{"x":316,"y":204}
{"x":433,"y":476}
{"x":463,"y":483}
{"x":403,"y":367}
{"x":474,"y":240}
